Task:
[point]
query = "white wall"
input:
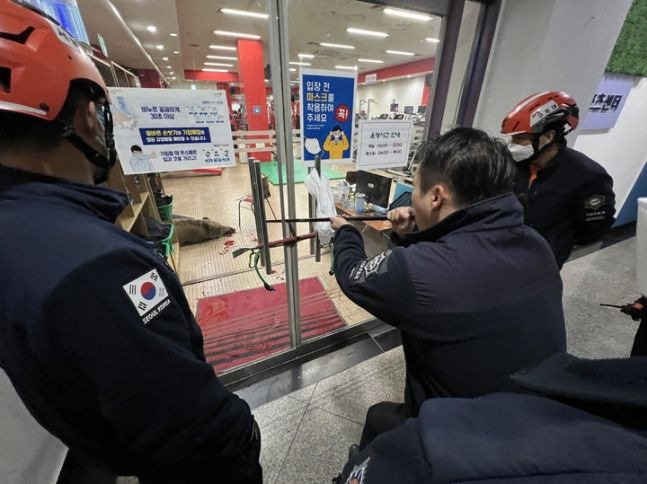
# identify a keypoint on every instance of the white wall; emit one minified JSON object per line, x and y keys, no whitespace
{"x":548,"y":45}
{"x":622,"y":150}
{"x":406,"y":92}
{"x":28,"y":453}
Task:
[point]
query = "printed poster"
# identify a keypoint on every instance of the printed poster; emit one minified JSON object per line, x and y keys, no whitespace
{"x":383,"y":144}
{"x":161,"y":130}
{"x":327,"y":115}
{"x":607,"y":102}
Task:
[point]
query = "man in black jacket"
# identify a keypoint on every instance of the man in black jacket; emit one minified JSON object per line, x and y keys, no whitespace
{"x":584,"y":421}
{"x":475,"y":292}
{"x":567,"y":197}
{"x":96,"y":334}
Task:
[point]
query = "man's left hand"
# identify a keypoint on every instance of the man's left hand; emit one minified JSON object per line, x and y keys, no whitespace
{"x":338,"y":222}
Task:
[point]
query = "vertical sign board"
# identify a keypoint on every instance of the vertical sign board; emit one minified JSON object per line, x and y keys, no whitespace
{"x":327,"y":115}
{"x":160,"y":130}
{"x":383,"y":144}
{"x":607,"y":102}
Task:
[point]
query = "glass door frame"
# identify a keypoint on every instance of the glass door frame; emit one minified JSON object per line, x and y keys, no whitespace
{"x":451,"y":13}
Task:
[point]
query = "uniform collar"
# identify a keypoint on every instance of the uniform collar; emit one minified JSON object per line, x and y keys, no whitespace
{"x":490,"y":214}
{"x":102,"y":202}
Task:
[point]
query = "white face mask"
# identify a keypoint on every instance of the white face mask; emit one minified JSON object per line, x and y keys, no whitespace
{"x":520,"y":152}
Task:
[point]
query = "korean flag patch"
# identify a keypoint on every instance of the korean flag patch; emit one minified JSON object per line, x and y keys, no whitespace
{"x":146,"y":292}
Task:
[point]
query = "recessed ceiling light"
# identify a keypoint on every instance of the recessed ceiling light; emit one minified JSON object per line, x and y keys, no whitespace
{"x":159,"y":47}
{"x":432,"y":40}
{"x":171,"y":73}
{"x":337,"y":46}
{"x":173,"y":34}
{"x":399,"y":52}
{"x":371,"y":61}
{"x":176,"y":51}
{"x":236,"y":34}
{"x":164,"y":58}
{"x":293,"y":69}
{"x":222,"y":47}
{"x":407,"y":14}
{"x":211,"y":69}
{"x":174,"y":78}
{"x":305,"y":64}
{"x":306,"y":56}
{"x":243,"y":13}
{"x":221,"y":64}
{"x":151,"y":28}
{"x":169,"y":67}
{"x":347,"y":68}
{"x":221,"y":57}
{"x":370,"y":33}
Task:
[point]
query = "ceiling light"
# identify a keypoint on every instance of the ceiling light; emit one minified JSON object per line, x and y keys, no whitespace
{"x":305,"y":64}
{"x":348,"y":68}
{"x":370,"y":33}
{"x":152,"y":29}
{"x":222,"y":47}
{"x":159,"y":47}
{"x":171,"y":73}
{"x":399,"y":52}
{"x":211,"y":69}
{"x":236,"y":34}
{"x":306,"y":56}
{"x":432,"y":40}
{"x":174,"y":78}
{"x":338,"y":46}
{"x":221,"y":64}
{"x":176,"y":51}
{"x":169,"y":67}
{"x":173,"y":34}
{"x":293,"y":69}
{"x":371,"y":61}
{"x":267,"y":80}
{"x":193,"y":87}
{"x":164,"y":58}
{"x":407,"y":14}
{"x":222,"y":57}
{"x":243,"y":13}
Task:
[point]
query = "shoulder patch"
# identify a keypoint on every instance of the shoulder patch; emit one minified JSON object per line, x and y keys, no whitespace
{"x":358,"y":474}
{"x":594,"y":202}
{"x":369,"y":268}
{"x":147,"y":293}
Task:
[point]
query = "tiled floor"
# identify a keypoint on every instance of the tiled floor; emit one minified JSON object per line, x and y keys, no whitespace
{"x":306,"y":434}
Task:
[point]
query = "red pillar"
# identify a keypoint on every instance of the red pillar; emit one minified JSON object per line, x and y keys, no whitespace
{"x":251,"y":71}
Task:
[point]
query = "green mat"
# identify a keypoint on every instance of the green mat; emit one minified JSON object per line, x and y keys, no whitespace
{"x":271,"y":171}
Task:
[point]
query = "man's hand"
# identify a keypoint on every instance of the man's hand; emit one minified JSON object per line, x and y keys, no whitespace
{"x":403,"y":220}
{"x":338,"y":222}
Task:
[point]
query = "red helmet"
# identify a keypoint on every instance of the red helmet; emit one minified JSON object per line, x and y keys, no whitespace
{"x":38,"y":62}
{"x":542,"y":111}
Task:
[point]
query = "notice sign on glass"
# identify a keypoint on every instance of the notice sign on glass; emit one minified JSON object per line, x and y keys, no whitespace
{"x":327,"y":115}
{"x":160,"y":130}
{"x":607,"y":102}
{"x":383,"y":144}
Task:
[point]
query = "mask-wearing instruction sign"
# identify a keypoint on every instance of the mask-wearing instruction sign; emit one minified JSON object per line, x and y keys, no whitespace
{"x":160,"y":130}
{"x":383,"y":144}
{"x":327,"y":115}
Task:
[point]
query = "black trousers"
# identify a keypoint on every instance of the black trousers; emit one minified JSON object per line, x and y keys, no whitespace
{"x":381,"y":418}
{"x":640,"y":341}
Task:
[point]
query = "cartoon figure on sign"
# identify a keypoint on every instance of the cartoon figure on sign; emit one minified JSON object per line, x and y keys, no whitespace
{"x":141,"y":163}
{"x":336,"y":143}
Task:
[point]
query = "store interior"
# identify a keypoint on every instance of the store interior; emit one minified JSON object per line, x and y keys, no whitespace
{"x":225,"y":45}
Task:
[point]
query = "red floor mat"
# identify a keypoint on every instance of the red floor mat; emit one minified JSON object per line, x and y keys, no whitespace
{"x":245,"y":326}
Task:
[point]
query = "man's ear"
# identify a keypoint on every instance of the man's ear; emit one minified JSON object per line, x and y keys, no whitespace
{"x":549,"y":136}
{"x":438,"y":195}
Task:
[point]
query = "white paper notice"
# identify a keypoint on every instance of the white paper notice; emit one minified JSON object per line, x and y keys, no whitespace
{"x":159,"y":130}
{"x":383,"y":144}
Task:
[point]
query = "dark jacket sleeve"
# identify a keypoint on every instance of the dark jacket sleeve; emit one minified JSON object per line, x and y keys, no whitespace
{"x":594,"y":209}
{"x":149,"y":379}
{"x":382,"y":284}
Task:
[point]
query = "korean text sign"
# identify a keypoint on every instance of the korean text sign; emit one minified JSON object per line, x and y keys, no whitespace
{"x":607,"y":102}
{"x":160,"y":130}
{"x":383,"y":144}
{"x":327,"y":115}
